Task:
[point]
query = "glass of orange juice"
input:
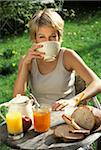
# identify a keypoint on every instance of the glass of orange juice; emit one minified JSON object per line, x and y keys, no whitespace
{"x":42,"y":117}
{"x":14,"y":125}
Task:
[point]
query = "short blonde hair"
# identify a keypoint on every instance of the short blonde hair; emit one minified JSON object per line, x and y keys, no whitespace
{"x":46,"y":17}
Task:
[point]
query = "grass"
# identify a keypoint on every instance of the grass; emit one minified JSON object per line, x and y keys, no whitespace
{"x":19,"y":45}
{"x":83,"y":35}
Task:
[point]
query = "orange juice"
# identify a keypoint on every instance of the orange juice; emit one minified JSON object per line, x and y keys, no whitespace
{"x":14,"y":123}
{"x":41,"y":120}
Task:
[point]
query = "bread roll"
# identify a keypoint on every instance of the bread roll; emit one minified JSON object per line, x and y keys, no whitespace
{"x":97,"y":114}
{"x":84,"y":117}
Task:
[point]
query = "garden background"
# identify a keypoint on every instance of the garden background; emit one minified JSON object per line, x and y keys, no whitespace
{"x":82,"y":33}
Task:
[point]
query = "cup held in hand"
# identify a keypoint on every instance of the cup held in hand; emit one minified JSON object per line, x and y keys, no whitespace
{"x":50,"y":48}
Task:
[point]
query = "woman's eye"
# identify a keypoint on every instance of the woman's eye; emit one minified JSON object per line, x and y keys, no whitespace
{"x":53,"y":37}
{"x":41,"y":37}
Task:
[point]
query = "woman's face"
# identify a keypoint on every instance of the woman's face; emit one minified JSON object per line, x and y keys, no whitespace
{"x":46,"y":33}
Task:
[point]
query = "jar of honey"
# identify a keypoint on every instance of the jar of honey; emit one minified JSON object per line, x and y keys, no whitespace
{"x":42,"y":117}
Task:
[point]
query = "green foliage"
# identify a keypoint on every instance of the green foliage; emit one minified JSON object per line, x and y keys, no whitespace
{"x":3,"y":111}
{"x":8,"y":53}
{"x":4,"y":147}
{"x":15,"y":15}
{"x":6,"y":67}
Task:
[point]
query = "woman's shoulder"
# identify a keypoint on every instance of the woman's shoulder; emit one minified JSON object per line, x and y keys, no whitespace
{"x":68,"y":55}
{"x":68,"y":51}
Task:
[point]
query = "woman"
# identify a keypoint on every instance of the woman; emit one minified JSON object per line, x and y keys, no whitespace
{"x":52,"y":81}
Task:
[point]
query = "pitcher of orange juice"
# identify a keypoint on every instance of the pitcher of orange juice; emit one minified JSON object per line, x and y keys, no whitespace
{"x":14,"y":125}
{"x":22,"y":104}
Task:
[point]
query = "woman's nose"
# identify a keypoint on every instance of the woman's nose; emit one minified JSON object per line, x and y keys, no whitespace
{"x":48,"y":39}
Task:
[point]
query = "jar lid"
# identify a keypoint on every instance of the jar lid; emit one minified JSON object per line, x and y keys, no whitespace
{"x":19,"y":99}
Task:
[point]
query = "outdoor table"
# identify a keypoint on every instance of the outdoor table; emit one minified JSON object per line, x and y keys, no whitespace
{"x":33,"y":140}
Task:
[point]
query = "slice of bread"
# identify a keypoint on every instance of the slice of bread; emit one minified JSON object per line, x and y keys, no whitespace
{"x":64,"y":131}
{"x":70,"y":121}
{"x":74,"y":128}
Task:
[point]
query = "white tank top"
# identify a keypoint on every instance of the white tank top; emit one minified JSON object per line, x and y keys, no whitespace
{"x":53,"y":86}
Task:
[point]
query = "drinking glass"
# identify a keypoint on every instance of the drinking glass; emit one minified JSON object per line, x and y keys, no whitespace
{"x":42,"y":117}
{"x":14,"y":125}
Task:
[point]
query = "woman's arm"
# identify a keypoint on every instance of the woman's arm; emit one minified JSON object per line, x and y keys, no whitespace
{"x":24,"y":69}
{"x":73,"y":61}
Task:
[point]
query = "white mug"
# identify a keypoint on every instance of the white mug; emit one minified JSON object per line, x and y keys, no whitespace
{"x":51,"y":49}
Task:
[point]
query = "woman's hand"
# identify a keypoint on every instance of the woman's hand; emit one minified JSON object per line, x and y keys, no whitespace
{"x":32,"y":53}
{"x":62,"y":104}
{"x":73,"y":102}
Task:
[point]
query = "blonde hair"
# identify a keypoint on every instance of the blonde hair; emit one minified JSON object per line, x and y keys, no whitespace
{"x":46,"y":17}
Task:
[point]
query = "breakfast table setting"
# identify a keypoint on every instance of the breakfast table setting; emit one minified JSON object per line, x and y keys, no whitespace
{"x":32,"y":138}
